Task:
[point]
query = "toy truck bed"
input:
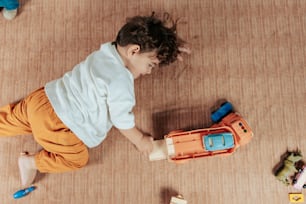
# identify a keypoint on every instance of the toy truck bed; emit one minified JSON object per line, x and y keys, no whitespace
{"x":183,"y":146}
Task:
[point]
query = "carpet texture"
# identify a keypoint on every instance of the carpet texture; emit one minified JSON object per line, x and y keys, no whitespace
{"x":250,"y":52}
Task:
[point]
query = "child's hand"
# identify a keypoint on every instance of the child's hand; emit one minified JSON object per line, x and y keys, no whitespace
{"x":145,"y":144}
{"x":185,"y":50}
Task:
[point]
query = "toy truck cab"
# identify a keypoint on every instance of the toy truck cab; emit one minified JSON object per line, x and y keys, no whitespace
{"x":239,"y":126}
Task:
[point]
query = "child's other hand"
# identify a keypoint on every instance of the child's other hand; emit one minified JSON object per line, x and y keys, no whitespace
{"x":183,"y":50}
{"x":145,"y":144}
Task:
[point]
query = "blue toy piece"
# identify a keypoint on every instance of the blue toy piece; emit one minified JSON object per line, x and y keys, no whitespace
{"x":225,"y":109}
{"x":219,"y":141}
{"x":23,"y":192}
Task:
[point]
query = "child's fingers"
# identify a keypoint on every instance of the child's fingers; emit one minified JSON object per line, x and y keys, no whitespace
{"x":185,"y":50}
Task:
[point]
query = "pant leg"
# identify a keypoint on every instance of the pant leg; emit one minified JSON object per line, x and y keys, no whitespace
{"x":13,"y":120}
{"x":63,"y":151}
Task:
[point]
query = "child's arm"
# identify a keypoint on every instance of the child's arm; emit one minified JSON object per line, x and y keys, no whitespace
{"x":144,"y":143}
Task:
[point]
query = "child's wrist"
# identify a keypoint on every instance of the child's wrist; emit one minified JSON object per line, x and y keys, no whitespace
{"x":139,"y":139}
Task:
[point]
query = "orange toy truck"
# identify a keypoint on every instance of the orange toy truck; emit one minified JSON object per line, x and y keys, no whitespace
{"x":228,"y":133}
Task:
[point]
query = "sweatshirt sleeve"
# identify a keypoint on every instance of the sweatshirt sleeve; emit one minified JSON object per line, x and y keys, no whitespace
{"x":121,"y":100}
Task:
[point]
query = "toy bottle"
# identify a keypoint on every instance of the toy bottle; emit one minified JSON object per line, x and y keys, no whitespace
{"x":23,"y":192}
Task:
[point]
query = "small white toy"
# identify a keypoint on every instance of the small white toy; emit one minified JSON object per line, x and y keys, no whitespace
{"x":178,"y":200}
{"x":299,"y":182}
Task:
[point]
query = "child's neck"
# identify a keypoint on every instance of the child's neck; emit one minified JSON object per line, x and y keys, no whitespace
{"x":123,"y":54}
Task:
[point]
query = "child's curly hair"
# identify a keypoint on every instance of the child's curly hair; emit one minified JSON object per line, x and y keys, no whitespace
{"x":152,"y":33}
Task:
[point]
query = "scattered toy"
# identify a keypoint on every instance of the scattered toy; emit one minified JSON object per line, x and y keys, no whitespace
{"x":23,"y":192}
{"x":296,"y":197}
{"x":289,"y":168}
{"x":299,"y":180}
{"x":178,"y":200}
{"x":225,"y":109}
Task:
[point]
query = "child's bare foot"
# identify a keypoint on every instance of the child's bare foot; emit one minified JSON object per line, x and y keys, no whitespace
{"x":27,"y":169}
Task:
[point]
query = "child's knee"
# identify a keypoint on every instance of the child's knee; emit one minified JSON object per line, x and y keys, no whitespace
{"x":83,"y":159}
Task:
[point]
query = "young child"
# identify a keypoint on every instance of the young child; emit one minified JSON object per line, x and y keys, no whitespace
{"x":75,"y":112}
{"x":9,"y":8}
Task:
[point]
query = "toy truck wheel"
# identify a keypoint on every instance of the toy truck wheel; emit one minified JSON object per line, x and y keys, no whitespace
{"x":224,"y":109}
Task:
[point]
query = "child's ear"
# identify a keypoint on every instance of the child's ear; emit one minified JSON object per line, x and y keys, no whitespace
{"x":133,"y":49}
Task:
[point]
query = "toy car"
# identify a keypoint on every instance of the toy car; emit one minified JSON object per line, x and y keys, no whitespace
{"x":181,"y":146}
{"x":224,"y":109}
{"x":221,"y":141}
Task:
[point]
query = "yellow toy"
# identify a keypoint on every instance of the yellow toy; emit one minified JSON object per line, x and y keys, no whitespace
{"x":296,"y":197}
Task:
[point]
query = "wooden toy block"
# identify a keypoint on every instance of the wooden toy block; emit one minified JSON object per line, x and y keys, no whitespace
{"x":178,"y":200}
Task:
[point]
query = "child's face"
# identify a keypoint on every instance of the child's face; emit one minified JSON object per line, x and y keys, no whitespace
{"x":142,"y":63}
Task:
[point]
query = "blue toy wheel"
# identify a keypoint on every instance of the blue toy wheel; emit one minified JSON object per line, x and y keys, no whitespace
{"x":224,"y":109}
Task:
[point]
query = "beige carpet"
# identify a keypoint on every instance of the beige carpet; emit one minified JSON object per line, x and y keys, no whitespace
{"x":250,"y":52}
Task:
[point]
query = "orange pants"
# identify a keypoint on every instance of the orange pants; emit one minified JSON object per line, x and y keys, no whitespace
{"x":62,"y":150}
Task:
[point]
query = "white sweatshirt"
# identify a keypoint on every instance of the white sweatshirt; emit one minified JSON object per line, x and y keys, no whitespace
{"x":97,"y":94}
